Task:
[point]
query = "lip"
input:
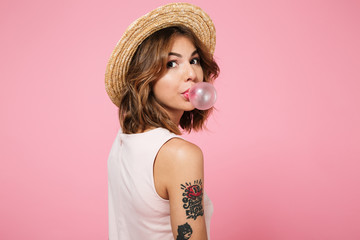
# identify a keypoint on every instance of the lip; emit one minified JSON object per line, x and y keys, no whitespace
{"x":186,"y":94}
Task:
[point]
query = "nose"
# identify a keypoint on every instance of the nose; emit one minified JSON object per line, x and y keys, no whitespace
{"x":190,"y":73}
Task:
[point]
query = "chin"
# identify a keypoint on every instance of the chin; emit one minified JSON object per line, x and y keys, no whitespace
{"x":189,"y":108}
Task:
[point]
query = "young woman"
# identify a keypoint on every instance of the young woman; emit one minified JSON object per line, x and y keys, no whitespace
{"x":156,"y":178}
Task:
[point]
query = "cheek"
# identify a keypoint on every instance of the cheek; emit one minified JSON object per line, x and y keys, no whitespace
{"x":161,"y":88}
{"x":200,"y":74}
{"x":161,"y":85}
{"x":157,"y":89}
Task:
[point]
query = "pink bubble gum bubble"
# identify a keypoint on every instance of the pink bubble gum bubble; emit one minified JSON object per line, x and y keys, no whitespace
{"x":202,"y":95}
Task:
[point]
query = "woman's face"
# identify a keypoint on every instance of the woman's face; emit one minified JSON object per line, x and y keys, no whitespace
{"x":183,"y":71}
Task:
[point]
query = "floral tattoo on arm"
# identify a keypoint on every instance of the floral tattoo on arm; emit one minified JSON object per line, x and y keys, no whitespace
{"x":192,"y":199}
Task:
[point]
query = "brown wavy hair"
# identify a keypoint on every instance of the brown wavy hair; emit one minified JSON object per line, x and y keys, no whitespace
{"x":139,"y":108}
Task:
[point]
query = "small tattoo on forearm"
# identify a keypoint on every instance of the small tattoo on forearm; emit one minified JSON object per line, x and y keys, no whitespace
{"x":192,"y":199}
{"x":184,"y":232}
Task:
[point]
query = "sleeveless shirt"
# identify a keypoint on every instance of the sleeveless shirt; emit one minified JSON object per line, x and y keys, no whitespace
{"x":136,"y":211}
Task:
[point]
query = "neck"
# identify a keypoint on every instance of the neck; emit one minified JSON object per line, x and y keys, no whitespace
{"x":176,"y":116}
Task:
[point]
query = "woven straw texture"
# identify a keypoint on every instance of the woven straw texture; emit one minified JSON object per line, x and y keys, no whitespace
{"x":165,"y":16}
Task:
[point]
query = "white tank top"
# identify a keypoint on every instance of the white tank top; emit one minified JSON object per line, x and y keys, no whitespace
{"x":136,"y":211}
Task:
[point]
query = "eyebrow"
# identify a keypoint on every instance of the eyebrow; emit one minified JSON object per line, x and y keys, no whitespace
{"x":180,"y":56}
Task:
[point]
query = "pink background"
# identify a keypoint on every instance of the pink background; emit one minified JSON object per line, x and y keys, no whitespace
{"x":282,"y":151}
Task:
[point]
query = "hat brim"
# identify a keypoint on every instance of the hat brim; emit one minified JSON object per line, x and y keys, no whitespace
{"x":169,"y":15}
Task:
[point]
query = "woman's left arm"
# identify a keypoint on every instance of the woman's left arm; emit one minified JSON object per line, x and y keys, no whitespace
{"x":183,"y":165}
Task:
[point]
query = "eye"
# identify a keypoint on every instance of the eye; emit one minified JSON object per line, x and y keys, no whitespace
{"x":195,"y":61}
{"x":171,"y":64}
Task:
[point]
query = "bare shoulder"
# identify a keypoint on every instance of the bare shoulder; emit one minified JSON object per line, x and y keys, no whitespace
{"x":180,"y":151}
{"x":179,"y":159}
{"x":177,"y":162}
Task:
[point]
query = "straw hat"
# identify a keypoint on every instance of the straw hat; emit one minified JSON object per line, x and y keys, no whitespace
{"x":173,"y":14}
